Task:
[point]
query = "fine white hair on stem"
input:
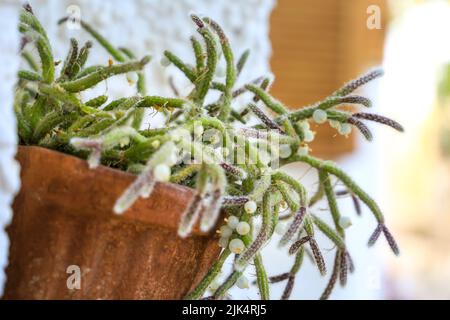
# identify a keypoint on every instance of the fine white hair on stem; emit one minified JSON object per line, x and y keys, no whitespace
{"x":190,"y":216}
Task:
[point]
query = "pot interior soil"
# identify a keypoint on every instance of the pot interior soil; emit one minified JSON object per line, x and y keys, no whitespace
{"x":63,"y":217}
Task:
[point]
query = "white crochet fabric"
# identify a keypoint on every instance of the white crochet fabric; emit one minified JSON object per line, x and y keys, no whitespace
{"x":146,"y":27}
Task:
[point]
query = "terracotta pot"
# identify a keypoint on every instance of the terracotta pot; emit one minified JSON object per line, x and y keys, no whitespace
{"x":63,"y":217}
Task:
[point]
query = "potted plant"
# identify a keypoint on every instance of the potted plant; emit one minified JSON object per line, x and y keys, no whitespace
{"x":138,"y":217}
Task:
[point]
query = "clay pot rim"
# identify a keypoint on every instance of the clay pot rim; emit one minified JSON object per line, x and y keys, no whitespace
{"x":164,"y":207}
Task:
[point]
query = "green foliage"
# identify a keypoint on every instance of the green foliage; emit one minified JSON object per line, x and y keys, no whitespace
{"x":235,"y":174}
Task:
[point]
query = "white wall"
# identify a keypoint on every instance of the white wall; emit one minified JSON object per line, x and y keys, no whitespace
{"x":152,"y":26}
{"x":9,"y":171}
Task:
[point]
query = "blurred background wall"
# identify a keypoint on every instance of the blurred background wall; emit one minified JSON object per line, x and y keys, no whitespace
{"x":9,"y":169}
{"x":319,"y":45}
{"x":414,"y":167}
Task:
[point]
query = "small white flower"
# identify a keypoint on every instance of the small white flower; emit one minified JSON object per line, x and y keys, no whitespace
{"x":225,"y":232}
{"x":162,"y":172}
{"x":320,"y":116}
{"x":232,"y":222}
{"x":242,"y":282}
{"x":250,"y":206}
{"x":243,"y":228}
{"x":236,"y":246}
{"x":345,"y":222}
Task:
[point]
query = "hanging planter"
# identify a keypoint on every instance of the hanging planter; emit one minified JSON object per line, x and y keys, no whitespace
{"x":63,"y":217}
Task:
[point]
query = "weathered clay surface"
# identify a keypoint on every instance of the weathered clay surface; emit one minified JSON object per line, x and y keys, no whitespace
{"x":63,"y":216}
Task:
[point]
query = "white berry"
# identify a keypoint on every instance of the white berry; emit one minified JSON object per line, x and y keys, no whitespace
{"x":226,"y":231}
{"x":223,"y":242}
{"x":304,"y":125}
{"x":303,"y":151}
{"x":320,"y":116}
{"x":334,"y":124}
{"x":165,"y":62}
{"x":285,"y":151}
{"x":233,"y":222}
{"x":250,"y":206}
{"x":242,"y":282}
{"x":309,"y":136}
{"x":161,"y":172}
{"x":243,"y":228}
{"x":345,"y":222}
{"x":283,"y":205}
{"x":236,"y":246}
{"x":345,"y":129}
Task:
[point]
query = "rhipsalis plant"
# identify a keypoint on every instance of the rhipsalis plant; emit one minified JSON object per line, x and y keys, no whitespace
{"x":207,"y":145}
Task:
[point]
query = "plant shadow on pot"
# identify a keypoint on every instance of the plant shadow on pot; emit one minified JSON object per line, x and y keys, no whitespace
{"x":63,"y":220}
